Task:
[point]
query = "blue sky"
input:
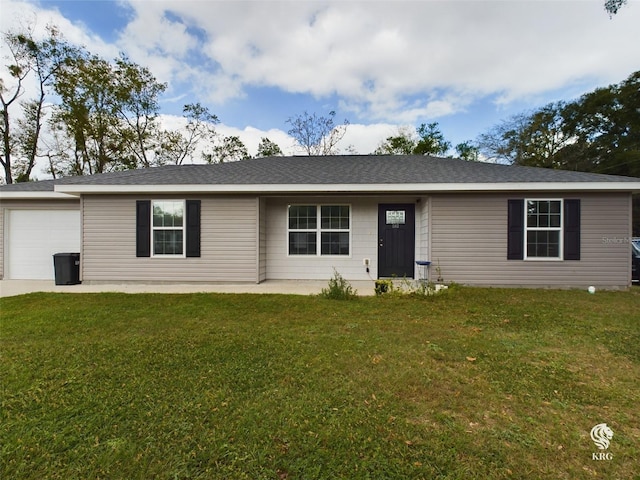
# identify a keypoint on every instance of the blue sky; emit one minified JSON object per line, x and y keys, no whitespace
{"x":380,"y":64}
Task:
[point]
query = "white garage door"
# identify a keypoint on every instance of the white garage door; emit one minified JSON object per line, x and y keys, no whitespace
{"x":34,"y":236}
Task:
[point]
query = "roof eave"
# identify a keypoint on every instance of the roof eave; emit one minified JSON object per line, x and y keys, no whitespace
{"x":63,"y":191}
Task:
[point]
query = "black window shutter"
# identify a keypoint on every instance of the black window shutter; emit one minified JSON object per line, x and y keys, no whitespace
{"x":515,"y":220}
{"x":572,"y":229}
{"x":193,"y":228}
{"x":143,"y":228}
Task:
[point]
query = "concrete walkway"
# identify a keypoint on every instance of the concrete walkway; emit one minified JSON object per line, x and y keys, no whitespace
{"x":10,"y":288}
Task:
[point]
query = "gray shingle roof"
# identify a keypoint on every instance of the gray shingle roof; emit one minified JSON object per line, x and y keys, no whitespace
{"x":328,"y":170}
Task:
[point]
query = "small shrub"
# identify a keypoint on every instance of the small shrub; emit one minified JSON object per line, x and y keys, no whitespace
{"x":383,"y":286}
{"x":339,"y":288}
{"x":405,"y":287}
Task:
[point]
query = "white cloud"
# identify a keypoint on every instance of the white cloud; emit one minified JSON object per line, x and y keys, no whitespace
{"x":365,"y":139}
{"x":377,"y":56}
{"x":249,"y":135}
{"x":252,"y":136}
{"x":361,"y":138}
{"x":18,"y":16}
{"x":391,"y":62}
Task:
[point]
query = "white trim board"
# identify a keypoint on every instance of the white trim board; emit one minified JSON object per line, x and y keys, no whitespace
{"x":351,"y":188}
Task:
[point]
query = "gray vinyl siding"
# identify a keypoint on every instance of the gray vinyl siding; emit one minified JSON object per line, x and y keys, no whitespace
{"x":244,"y":239}
{"x":422,"y":214}
{"x":72,"y":204}
{"x":229,"y":242}
{"x":262,"y":246}
{"x":469,"y":241}
{"x":364,"y":240}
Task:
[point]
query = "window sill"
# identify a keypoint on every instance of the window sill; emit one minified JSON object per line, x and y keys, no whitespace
{"x":543,"y":259}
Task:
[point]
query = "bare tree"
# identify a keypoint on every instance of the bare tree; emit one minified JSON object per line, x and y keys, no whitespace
{"x":315,"y":134}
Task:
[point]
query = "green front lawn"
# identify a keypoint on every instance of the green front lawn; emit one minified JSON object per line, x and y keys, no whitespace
{"x":474,"y":383}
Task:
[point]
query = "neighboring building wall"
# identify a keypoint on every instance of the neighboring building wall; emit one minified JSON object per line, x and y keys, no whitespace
{"x":229,"y":242}
{"x":469,"y":241}
{"x":364,"y":240}
{"x":72,"y":204}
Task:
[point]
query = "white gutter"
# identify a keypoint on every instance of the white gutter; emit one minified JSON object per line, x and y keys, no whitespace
{"x":353,"y":188}
{"x":23,"y":195}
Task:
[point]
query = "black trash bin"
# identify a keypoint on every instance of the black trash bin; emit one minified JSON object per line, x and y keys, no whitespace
{"x":67,"y":268}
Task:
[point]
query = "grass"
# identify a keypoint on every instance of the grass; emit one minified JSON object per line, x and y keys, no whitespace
{"x":475,"y":383}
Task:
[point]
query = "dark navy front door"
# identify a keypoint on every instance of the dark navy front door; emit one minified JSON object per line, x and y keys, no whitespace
{"x":396,"y":240}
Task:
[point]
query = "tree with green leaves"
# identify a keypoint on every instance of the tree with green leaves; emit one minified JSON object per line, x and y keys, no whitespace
{"x":137,"y":95}
{"x":316,"y":134}
{"x":23,"y":118}
{"x":468,"y":151}
{"x":267,"y":148}
{"x":105,"y":116}
{"x":88,"y":110}
{"x":427,"y":139}
{"x":231,"y":149}
{"x":176,"y":146}
{"x":598,"y":132}
{"x":401,"y":144}
{"x":20,"y":66}
{"x":605,"y":127}
{"x":533,"y":139}
{"x":431,"y":140}
{"x":612,"y":6}
{"x":18,"y":69}
{"x":110,"y":110}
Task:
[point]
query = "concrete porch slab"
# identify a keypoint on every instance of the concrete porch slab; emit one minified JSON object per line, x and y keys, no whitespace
{"x":10,"y":288}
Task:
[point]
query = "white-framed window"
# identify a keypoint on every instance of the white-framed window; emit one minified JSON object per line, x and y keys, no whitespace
{"x":543,"y":229}
{"x":168,"y":228}
{"x":323,"y":230}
